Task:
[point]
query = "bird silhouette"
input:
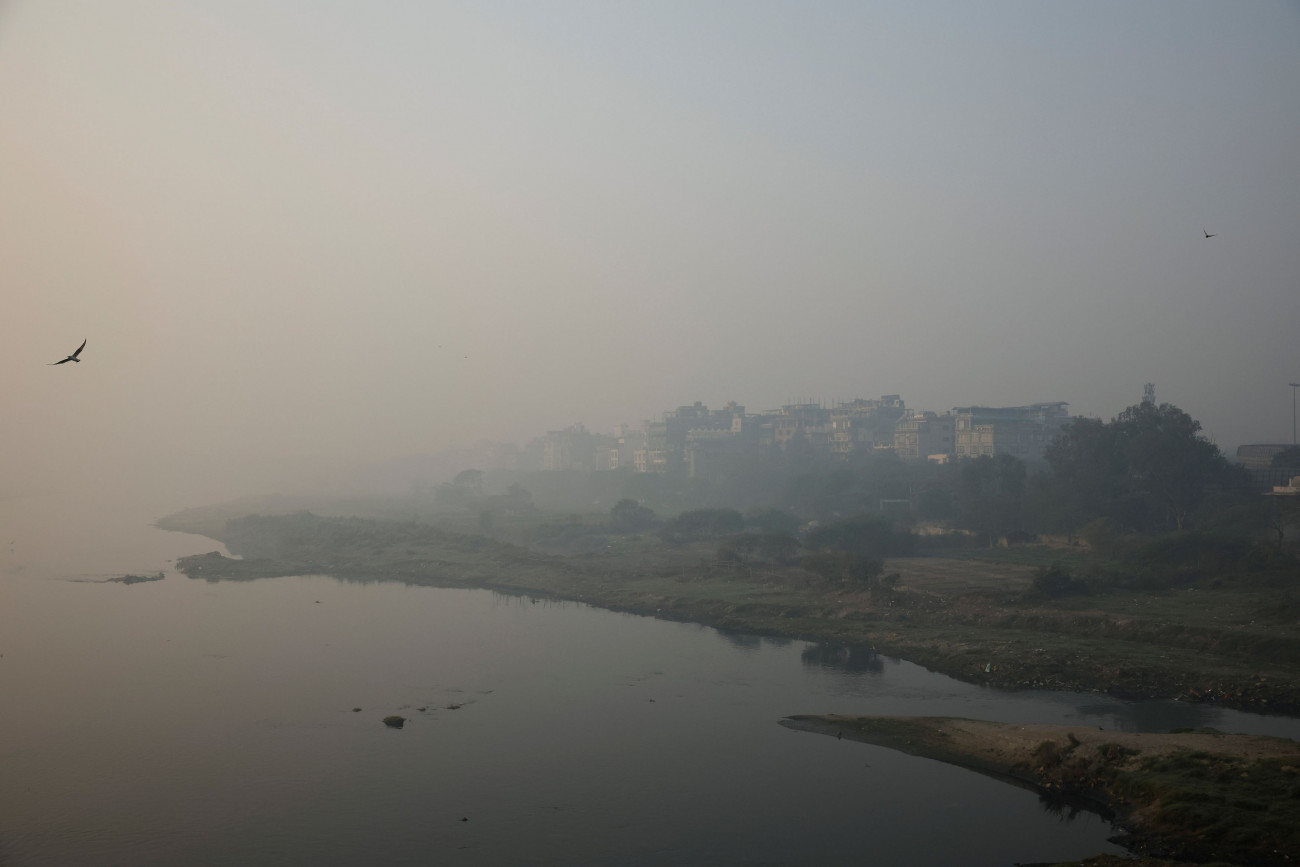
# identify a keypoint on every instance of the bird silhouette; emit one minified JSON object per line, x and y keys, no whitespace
{"x":72,"y":357}
{"x":1207,"y":234}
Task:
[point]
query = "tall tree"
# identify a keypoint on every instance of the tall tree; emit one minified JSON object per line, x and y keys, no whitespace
{"x":1147,"y":469}
{"x":991,"y":495}
{"x":1169,"y":462}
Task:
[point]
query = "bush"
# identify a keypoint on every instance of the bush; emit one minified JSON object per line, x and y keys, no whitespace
{"x":843,"y":566}
{"x":865,"y":535}
{"x":771,"y":521}
{"x":1056,"y":581}
{"x":778,"y":547}
{"x":702,"y":524}
{"x":628,"y":516}
{"x":1101,"y":536}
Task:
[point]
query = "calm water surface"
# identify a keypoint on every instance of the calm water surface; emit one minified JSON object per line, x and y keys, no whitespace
{"x":184,"y":722}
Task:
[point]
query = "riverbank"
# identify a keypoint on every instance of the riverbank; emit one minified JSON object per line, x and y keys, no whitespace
{"x":1181,"y":797}
{"x":973,"y":619}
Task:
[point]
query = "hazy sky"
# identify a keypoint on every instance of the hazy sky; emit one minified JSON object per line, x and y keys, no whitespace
{"x":300,"y":234}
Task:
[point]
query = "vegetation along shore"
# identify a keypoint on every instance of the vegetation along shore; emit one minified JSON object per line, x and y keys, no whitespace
{"x":981,"y":616}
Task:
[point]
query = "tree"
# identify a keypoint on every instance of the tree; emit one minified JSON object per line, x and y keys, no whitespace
{"x":771,"y":521}
{"x":864,"y":535}
{"x":991,"y":495}
{"x":519,"y":498}
{"x":629,"y":515}
{"x":1088,"y":473}
{"x":702,"y":524}
{"x":1169,"y":462}
{"x":818,"y":495}
{"x":1148,"y":469}
{"x":777,"y":547}
{"x":843,"y":566}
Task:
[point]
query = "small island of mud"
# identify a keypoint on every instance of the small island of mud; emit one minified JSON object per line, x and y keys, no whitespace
{"x":1182,"y":796}
{"x":134,"y":579}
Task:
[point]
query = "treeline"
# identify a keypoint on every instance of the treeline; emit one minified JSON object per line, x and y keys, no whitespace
{"x":1147,"y":471}
{"x":848,"y":550}
{"x":1117,"y":488}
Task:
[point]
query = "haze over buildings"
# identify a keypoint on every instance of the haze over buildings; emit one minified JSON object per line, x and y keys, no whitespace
{"x":300,"y":236}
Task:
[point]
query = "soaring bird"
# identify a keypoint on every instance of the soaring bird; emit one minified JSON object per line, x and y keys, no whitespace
{"x":73,"y":356}
{"x":1207,"y":234}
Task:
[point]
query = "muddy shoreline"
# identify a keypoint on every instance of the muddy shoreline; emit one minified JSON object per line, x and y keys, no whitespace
{"x":1158,"y":787}
{"x":972,"y":621}
{"x":969,"y":649}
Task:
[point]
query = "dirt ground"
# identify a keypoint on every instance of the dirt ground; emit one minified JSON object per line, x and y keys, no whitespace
{"x":1002,"y":747}
{"x":1181,"y":797}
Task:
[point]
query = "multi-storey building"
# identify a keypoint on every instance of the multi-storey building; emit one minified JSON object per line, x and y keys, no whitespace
{"x":1259,"y":456}
{"x":1022,"y":431}
{"x":864,"y":424}
{"x":923,"y":434}
{"x":667,"y":442}
{"x":576,"y":448}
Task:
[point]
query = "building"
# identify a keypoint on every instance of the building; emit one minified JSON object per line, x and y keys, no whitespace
{"x":1259,"y":456}
{"x":921,"y":435}
{"x":692,"y":438}
{"x":1020,"y":431}
{"x":576,"y":448}
{"x":864,"y":424}
{"x":666,"y":442}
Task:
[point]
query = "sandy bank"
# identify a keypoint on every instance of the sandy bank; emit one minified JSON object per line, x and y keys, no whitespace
{"x":1186,"y":796}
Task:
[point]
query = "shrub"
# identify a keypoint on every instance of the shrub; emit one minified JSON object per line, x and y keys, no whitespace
{"x":702,"y":524}
{"x":866,"y":535}
{"x":628,"y":516}
{"x":843,"y":566}
{"x":1056,"y":581}
{"x":771,"y":521}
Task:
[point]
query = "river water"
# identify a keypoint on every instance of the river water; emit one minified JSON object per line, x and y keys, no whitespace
{"x":186,"y":722}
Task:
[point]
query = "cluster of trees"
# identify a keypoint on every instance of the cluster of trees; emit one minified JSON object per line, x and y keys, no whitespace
{"x":466,"y":493}
{"x":1148,"y":471}
{"x":849,"y":550}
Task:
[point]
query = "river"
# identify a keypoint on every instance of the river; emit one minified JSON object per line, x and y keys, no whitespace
{"x":186,"y":722}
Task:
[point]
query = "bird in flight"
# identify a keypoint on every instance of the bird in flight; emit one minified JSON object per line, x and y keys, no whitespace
{"x":1208,"y":235}
{"x":73,"y":356}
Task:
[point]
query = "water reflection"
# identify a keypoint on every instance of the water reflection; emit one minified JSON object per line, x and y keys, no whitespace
{"x":745,"y":641}
{"x":1151,"y":716}
{"x":855,"y":658}
{"x":741,"y":641}
{"x":1067,"y":809}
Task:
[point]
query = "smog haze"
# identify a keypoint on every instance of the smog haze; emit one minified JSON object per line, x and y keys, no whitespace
{"x":297,"y":237}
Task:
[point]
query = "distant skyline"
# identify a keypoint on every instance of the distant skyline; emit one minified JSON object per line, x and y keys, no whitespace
{"x":301,"y":236}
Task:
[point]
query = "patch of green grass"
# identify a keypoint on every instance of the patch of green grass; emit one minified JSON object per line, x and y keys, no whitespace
{"x":1225,"y":805}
